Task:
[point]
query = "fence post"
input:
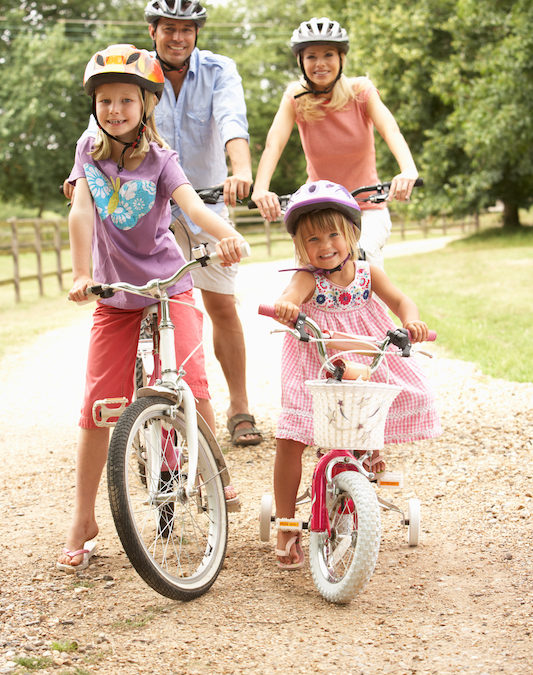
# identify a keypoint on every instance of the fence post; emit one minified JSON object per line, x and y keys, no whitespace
{"x":38,"y":253}
{"x":15,"y":251}
{"x":268,"y":240}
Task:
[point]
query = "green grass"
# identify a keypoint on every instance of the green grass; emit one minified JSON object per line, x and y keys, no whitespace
{"x":476,"y":293}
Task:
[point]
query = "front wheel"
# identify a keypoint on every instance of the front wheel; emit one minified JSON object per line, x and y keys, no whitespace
{"x":343,"y":561}
{"x":175,"y":542}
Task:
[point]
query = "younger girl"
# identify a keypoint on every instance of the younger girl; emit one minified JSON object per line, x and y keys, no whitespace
{"x":336,"y":116}
{"x":120,"y":219}
{"x":337,"y":291}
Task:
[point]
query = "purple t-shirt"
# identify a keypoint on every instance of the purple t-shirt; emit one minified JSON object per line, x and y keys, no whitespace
{"x":131,"y":237}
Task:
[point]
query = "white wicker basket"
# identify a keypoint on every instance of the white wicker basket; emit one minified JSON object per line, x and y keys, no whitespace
{"x":350,"y":414}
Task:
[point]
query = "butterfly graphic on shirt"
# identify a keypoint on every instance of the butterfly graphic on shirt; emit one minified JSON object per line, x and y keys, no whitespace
{"x":124,"y":204}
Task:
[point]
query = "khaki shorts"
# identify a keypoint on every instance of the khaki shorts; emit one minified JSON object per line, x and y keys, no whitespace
{"x":375,"y":231}
{"x":213,"y":278}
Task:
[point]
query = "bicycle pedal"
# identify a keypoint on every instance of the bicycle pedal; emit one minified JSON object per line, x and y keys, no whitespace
{"x":107,"y":411}
{"x":392,"y":479}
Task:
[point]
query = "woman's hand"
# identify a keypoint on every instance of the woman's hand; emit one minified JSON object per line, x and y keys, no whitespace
{"x":267,"y":203}
{"x":418,"y":330}
{"x":401,"y":186}
{"x":229,"y":249}
{"x":78,"y":292}
{"x":286,"y":312}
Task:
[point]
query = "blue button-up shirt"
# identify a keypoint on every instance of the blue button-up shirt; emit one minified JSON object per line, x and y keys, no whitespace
{"x":209,"y":111}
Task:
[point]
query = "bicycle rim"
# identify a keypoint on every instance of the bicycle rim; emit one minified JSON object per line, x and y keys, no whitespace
{"x":343,"y":562}
{"x":176,"y":544}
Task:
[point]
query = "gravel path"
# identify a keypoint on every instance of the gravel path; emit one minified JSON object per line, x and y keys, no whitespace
{"x":459,"y":603}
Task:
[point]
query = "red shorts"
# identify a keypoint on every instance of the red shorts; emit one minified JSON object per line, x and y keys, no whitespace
{"x":113,"y":350}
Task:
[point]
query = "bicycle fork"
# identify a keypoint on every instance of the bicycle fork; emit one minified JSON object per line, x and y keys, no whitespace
{"x":328,"y":466}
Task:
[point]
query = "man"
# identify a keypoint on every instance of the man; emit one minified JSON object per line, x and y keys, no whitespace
{"x":202,"y":115}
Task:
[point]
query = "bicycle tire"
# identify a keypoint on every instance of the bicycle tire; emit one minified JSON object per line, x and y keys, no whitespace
{"x":181,"y":559}
{"x":343,"y":562}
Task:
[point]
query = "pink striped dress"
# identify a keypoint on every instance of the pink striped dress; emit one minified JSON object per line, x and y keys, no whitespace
{"x":412,"y":416}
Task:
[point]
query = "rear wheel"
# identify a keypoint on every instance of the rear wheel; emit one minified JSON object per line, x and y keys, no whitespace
{"x":176,"y":543}
{"x":343,"y":561}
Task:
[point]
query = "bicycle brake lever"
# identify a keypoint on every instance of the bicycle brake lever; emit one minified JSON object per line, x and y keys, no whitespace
{"x":299,"y":326}
{"x":400,"y":338}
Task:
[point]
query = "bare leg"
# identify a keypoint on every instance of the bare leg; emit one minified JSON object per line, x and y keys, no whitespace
{"x":91,"y":458}
{"x":206,"y":411}
{"x":287,"y":476}
{"x":228,"y":340}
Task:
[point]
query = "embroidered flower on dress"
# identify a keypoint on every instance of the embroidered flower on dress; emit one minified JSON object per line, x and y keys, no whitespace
{"x":344,"y":298}
{"x":321,"y":299}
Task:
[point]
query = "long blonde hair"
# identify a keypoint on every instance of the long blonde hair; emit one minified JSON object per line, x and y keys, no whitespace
{"x":310,"y":108}
{"x":102,"y":145}
{"x":325,"y":220}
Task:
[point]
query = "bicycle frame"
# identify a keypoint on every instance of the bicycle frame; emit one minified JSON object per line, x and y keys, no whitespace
{"x":167,"y":379}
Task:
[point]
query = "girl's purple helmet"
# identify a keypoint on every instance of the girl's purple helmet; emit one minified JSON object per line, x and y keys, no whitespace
{"x":318,"y":195}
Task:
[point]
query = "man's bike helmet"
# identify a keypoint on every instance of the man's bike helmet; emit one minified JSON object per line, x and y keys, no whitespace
{"x":322,"y":31}
{"x":183,"y":10}
{"x":319,"y":195}
{"x":124,"y":63}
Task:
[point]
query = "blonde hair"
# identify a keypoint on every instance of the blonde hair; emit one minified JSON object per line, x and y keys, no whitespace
{"x":325,"y":220}
{"x":102,"y":144}
{"x":310,"y":108}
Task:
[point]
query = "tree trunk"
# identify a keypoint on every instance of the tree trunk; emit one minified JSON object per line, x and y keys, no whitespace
{"x":510,"y":215}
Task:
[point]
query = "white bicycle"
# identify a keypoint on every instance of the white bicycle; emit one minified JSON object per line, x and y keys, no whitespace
{"x":166,"y":472}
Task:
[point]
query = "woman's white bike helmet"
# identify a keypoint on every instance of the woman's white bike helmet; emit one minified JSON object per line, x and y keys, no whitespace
{"x":183,"y":10}
{"x":322,"y":31}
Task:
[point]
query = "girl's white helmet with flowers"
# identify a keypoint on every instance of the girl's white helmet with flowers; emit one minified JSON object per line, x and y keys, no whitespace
{"x":319,"y":195}
{"x":322,"y":31}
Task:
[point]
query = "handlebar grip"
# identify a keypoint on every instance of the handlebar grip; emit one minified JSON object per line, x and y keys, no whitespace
{"x":432,"y":336}
{"x":419,"y":182}
{"x":267,"y":310}
{"x":252,"y":205}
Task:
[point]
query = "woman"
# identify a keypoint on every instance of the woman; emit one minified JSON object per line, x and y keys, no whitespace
{"x":336,"y":117}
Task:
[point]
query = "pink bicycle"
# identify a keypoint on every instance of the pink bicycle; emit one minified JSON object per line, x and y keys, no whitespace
{"x":349,"y":419}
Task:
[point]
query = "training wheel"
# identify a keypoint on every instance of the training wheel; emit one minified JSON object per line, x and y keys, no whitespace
{"x":265,"y":516}
{"x":413,"y":515}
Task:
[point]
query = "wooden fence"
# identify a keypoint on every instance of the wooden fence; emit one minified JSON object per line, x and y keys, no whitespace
{"x":36,"y":236}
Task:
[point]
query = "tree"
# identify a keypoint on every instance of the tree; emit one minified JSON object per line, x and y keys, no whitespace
{"x":489,"y":82}
{"x":44,"y":112}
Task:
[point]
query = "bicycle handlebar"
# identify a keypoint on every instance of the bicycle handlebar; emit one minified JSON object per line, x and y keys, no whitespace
{"x":269,"y":310}
{"x":155,"y":287}
{"x":381,"y":190}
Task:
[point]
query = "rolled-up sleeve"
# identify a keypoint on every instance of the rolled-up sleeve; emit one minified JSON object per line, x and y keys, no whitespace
{"x":229,"y":107}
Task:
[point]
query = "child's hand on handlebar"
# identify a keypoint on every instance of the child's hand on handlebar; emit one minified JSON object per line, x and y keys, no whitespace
{"x":78,"y":292}
{"x":229,"y":249}
{"x":418,"y":330}
{"x":402,"y":186}
{"x":286,"y":312}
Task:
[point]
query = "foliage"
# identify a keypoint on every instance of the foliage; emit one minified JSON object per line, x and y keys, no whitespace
{"x":456,"y":74}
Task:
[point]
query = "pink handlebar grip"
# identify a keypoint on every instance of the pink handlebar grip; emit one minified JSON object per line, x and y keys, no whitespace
{"x":432,"y":336}
{"x":267,"y":310}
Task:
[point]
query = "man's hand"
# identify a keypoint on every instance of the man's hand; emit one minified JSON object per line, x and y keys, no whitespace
{"x":236,"y":187}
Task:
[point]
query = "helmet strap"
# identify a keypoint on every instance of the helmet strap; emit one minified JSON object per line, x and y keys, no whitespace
{"x":168,"y":67}
{"x":126,"y":144}
{"x":310,"y":86}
